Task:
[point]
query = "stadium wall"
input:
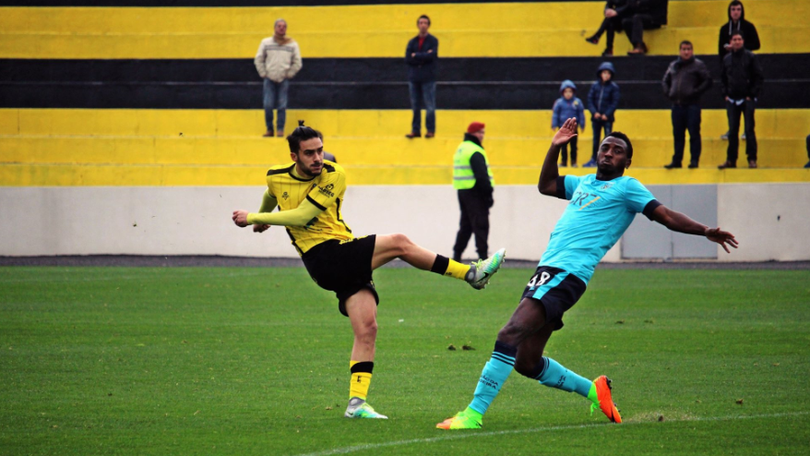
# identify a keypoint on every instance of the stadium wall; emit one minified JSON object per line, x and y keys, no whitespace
{"x":769,"y":219}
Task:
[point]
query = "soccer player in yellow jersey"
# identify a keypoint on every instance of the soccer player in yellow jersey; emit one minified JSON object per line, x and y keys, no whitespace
{"x":309,"y":193}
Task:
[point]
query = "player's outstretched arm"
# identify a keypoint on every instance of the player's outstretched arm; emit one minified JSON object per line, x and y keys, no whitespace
{"x":549,"y":174}
{"x":299,"y":216}
{"x":681,"y":223}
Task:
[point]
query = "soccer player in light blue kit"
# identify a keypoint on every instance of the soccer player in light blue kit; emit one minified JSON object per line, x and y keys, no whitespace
{"x":601,"y":208}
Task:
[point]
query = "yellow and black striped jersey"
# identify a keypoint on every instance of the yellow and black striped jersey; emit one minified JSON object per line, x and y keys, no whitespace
{"x":326,"y":191}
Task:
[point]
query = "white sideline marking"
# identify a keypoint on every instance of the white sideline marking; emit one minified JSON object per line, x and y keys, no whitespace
{"x":467,"y":434}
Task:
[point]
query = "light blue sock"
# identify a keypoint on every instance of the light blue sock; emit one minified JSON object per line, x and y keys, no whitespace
{"x":493,"y":376}
{"x":554,"y":375}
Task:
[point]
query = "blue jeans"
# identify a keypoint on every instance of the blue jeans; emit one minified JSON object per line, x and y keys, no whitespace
{"x":747,"y":110}
{"x":598,"y":125}
{"x":686,"y":118}
{"x":275,"y":96}
{"x":426,"y":93}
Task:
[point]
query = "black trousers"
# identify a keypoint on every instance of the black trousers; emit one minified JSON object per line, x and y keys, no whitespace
{"x":474,"y":220}
{"x":686,"y":117}
{"x":747,"y":110}
{"x":564,"y":152}
{"x":634,"y":27}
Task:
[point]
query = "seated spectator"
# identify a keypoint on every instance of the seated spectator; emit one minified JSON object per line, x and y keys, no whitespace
{"x":640,"y":15}
{"x":611,"y":24}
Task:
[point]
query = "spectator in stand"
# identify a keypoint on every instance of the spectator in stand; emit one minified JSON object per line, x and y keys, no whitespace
{"x":685,"y":81}
{"x":736,"y":21}
{"x":567,"y":106}
{"x":742,"y":82}
{"x":808,"y":152}
{"x":611,"y":24}
{"x":640,"y":15}
{"x":277,"y":61}
{"x":421,"y":55}
{"x":603,"y":99}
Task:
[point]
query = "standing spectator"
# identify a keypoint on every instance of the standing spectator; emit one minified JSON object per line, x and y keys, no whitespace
{"x":808,"y":151}
{"x":736,"y":21}
{"x":640,"y":15}
{"x":421,"y":55}
{"x":565,"y":107}
{"x":611,"y":24}
{"x":277,"y":61}
{"x":603,"y":99}
{"x":473,"y":180}
{"x":742,"y":83}
{"x":686,"y":79}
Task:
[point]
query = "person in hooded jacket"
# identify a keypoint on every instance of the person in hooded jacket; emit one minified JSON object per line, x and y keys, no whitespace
{"x":603,"y":99}
{"x":686,"y":79}
{"x":736,"y":22}
{"x":567,"y":106}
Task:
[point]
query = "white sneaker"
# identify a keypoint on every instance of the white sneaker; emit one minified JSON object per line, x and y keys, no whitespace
{"x":481,"y":271}
{"x":358,"y":408}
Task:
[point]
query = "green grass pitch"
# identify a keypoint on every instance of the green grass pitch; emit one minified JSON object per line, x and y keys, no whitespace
{"x":254,"y":361}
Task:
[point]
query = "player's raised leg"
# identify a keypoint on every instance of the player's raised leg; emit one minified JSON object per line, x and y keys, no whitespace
{"x":362,"y":310}
{"x":391,"y":246}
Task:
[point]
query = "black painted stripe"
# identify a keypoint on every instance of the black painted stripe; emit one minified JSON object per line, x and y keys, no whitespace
{"x":358,"y":83}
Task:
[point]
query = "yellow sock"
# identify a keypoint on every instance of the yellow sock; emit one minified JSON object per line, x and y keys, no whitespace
{"x":457,"y":270}
{"x":361,"y":378}
{"x":447,"y":267}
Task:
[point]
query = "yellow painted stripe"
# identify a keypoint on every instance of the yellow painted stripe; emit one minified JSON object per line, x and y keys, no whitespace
{"x":464,"y":30}
{"x":112,"y":175}
{"x":771,"y":123}
{"x":370,"y":151}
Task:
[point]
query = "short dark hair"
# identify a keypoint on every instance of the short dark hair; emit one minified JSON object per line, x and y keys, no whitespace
{"x":686,"y":42}
{"x":736,"y":32}
{"x":424,"y":16}
{"x":623,"y":137}
{"x":302,"y":133}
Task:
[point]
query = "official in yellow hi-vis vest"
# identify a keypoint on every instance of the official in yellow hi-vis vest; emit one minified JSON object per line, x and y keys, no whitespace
{"x":474,"y":182}
{"x":310,"y":192}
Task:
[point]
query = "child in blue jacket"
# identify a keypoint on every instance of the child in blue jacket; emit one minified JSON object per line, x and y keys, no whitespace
{"x":603,"y":99}
{"x":565,"y":107}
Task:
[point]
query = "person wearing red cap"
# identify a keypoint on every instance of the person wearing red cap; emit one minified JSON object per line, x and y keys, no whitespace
{"x":473,"y":179}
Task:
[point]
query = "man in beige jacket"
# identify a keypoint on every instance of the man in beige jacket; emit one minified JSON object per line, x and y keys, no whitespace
{"x":277,"y":61}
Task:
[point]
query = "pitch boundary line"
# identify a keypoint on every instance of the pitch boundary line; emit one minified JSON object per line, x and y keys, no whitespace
{"x":464,"y":435}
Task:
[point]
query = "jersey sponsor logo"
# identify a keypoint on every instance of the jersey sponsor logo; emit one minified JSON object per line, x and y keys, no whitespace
{"x":606,"y":186}
{"x":327,"y":190}
{"x":583,"y":199}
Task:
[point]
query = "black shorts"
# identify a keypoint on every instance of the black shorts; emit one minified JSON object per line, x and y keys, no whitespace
{"x":342,"y":267}
{"x":557,"y":290}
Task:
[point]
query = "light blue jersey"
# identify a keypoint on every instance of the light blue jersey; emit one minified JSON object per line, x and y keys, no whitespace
{"x":598,"y":214}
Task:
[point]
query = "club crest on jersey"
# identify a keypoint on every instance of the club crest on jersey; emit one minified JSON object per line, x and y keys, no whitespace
{"x":285,"y":195}
{"x":327,"y":190}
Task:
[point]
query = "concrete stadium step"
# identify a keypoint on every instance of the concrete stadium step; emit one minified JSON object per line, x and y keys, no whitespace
{"x":465,"y":30}
{"x":770,"y":123}
{"x":40,"y":175}
{"x":370,"y":151}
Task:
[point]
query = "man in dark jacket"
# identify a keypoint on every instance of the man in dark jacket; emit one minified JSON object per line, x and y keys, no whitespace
{"x":686,"y":79}
{"x":421,"y":55}
{"x":473,"y":180}
{"x":736,"y":21}
{"x":742,"y":82}
{"x":640,"y":15}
